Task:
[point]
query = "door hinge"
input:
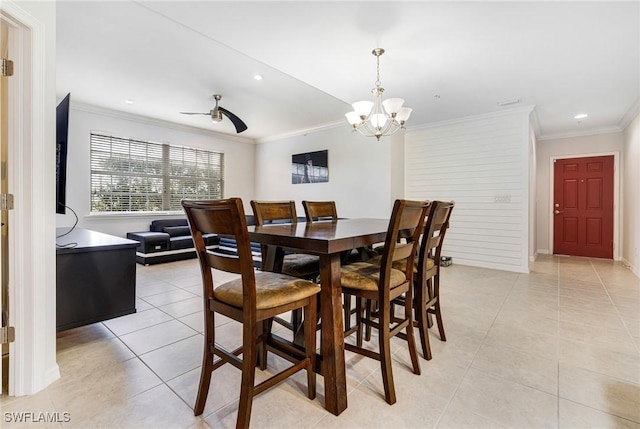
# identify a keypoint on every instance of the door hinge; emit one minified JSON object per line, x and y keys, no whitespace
{"x":6,"y":201}
{"x":7,"y":334}
{"x":7,"y":68}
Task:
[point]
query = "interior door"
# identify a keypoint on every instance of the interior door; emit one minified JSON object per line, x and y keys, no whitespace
{"x":583,"y":207}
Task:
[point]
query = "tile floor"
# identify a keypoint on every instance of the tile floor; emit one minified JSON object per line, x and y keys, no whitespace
{"x":557,"y":348}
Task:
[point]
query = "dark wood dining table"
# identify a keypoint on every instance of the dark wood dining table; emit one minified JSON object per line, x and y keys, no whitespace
{"x":327,"y":239}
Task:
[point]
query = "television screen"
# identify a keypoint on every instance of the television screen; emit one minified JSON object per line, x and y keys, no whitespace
{"x":62,"y":131}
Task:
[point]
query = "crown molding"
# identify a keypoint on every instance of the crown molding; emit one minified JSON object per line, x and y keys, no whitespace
{"x":633,"y":111}
{"x":89,"y":108}
{"x":295,"y":133}
{"x":607,"y":130}
{"x":497,"y":114}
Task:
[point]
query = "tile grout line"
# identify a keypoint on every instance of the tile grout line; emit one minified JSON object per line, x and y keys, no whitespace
{"x":626,"y":328}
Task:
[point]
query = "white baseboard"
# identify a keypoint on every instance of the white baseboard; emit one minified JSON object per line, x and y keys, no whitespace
{"x":627,"y":264}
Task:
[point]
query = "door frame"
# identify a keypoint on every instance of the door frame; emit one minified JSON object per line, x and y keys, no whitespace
{"x":32,"y":357}
{"x":617,"y":239}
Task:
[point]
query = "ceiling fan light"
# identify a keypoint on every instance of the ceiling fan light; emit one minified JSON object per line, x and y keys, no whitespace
{"x":363,"y":108}
{"x":352,"y":117}
{"x":403,"y":114}
{"x":392,"y":105}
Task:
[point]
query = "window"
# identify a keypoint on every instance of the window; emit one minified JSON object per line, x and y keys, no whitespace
{"x":130,"y":175}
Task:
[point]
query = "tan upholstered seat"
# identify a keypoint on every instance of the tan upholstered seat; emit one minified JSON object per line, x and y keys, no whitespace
{"x":366,"y":276}
{"x":383,"y":284}
{"x":272,"y":290}
{"x":253,"y":300}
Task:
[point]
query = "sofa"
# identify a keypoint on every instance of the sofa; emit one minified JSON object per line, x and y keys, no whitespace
{"x":170,"y":240}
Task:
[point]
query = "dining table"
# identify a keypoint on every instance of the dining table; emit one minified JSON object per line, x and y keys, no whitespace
{"x":329,"y":240}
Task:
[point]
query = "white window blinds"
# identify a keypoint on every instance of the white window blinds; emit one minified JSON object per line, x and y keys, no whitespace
{"x":130,"y":175}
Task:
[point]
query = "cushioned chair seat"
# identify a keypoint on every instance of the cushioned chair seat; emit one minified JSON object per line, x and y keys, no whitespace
{"x":402,"y":264}
{"x":366,"y":276}
{"x":272,"y":290}
{"x":301,"y":265}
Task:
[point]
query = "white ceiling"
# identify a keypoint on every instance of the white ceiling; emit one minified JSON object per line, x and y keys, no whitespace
{"x":315,"y":56}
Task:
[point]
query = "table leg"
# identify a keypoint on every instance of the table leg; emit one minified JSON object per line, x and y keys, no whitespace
{"x":333,"y":362}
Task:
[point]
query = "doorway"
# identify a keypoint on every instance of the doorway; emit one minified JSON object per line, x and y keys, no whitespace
{"x":583,"y":206}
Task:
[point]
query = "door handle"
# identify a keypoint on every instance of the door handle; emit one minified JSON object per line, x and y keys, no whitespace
{"x":557,"y":212}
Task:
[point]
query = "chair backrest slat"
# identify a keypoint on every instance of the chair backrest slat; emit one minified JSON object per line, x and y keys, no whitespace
{"x":320,"y":210}
{"x":268,"y":211}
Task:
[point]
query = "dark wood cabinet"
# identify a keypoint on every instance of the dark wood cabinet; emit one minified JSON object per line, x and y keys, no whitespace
{"x":95,"y":277}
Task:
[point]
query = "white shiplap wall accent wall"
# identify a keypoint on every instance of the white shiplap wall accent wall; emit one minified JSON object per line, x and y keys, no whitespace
{"x":476,"y":162}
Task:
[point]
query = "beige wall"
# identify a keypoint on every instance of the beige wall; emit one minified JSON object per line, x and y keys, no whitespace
{"x":631,"y":196}
{"x":562,"y":148}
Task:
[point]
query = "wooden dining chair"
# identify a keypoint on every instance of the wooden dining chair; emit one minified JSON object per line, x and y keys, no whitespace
{"x":293,"y":264}
{"x":320,"y":210}
{"x":383,"y":284}
{"x":252,"y":300}
{"x":427,"y":272}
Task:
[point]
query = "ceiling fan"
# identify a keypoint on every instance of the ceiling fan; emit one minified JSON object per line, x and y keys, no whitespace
{"x":217,"y":112}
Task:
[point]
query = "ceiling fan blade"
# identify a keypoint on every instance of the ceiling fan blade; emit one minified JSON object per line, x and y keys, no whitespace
{"x":195,"y":113}
{"x":237,"y":122}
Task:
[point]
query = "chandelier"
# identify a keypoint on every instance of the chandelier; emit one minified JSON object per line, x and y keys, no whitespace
{"x":378,"y":118}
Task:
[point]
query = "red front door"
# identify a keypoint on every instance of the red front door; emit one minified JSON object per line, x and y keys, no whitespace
{"x":583,"y":207}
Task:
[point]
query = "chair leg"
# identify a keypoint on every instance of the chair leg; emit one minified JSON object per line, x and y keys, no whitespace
{"x":411,"y":339}
{"x":359,"y":316}
{"x":205,"y":379}
{"x":310,"y":345}
{"x":384,"y":344}
{"x":346,"y":309}
{"x":249,"y":355}
{"x":421,"y":318}
{"x":436,"y":295}
{"x":369,"y":309}
{"x":263,"y":330}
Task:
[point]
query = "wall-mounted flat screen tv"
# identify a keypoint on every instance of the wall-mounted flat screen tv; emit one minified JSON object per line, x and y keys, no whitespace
{"x":62,"y":134}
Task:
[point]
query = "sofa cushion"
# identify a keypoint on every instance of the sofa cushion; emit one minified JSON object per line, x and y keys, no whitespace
{"x":182,"y":242}
{"x":177,"y":231}
{"x":158,"y":224}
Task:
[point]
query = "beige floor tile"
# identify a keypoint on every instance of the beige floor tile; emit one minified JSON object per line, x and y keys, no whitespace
{"x":576,"y":416}
{"x":168,"y":297}
{"x":136,"y":321}
{"x":615,"y":339}
{"x":608,"y":394}
{"x":90,"y":385}
{"x":538,"y":344}
{"x":183,"y":308}
{"x":542,"y":324}
{"x":459,"y":417}
{"x":154,"y":337}
{"x":195,"y":321}
{"x":601,"y":358}
{"x":155,"y":408}
{"x":175,"y":359}
{"x":520,"y":367}
{"x":509,"y":403}
{"x":588,"y":317}
{"x":153,"y":288}
{"x":597,"y":306}
{"x":25,"y":412}
{"x":80,"y":337}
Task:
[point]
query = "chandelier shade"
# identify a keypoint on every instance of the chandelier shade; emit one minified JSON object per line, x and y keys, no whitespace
{"x":378,"y":118}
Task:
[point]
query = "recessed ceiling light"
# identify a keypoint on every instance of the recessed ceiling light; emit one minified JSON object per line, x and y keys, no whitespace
{"x":128,"y":101}
{"x":580,"y":116}
{"x":257,"y":77}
